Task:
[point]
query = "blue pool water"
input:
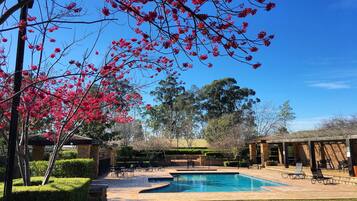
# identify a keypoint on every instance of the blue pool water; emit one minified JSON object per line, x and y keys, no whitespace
{"x":198,"y":182}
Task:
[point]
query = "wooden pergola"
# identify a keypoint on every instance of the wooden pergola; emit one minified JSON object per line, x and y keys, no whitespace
{"x":334,"y":148}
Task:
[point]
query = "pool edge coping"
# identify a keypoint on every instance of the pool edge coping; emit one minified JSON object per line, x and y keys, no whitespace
{"x":165,"y":184}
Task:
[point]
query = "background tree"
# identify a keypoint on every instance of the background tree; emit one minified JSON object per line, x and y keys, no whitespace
{"x":339,"y":125}
{"x":286,"y":115}
{"x":225,"y":97}
{"x":189,"y":116}
{"x":227,"y":109}
{"x":167,"y":112}
{"x":127,"y":133}
{"x":267,"y":119}
{"x":96,"y":130}
{"x":229,"y":132}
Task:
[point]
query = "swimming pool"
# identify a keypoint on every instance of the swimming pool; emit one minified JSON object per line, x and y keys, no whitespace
{"x":208,"y":182}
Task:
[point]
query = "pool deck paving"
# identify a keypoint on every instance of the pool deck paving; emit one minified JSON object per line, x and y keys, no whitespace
{"x":129,"y":187}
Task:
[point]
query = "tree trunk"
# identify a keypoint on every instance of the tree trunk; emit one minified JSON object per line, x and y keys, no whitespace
{"x":27,"y":153}
{"x":21,"y":168}
{"x":27,"y":176}
{"x":24,"y":170}
{"x":23,"y":155}
{"x":51,"y":165}
{"x":21,"y":161}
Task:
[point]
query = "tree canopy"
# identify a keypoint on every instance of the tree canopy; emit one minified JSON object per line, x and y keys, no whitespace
{"x":224,"y":96}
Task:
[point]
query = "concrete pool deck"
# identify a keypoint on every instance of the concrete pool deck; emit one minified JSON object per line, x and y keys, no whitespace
{"x":129,"y":188}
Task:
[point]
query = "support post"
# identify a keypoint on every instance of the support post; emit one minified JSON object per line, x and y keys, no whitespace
{"x":253,"y":153}
{"x":264,"y":150}
{"x":11,"y":146}
{"x":312,"y":155}
{"x":113,"y":157}
{"x":94,"y":154}
{"x":297,"y":158}
{"x":349,"y":151}
{"x":280,"y":154}
{"x":285,"y":154}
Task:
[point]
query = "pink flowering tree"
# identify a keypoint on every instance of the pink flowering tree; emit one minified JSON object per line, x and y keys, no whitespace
{"x":61,"y":92}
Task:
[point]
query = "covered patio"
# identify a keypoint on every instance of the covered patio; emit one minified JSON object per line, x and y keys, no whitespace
{"x":86,"y":148}
{"x":311,"y":148}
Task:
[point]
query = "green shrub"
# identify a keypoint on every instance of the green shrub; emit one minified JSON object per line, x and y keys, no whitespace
{"x":58,"y":189}
{"x":68,"y":154}
{"x":243,"y":163}
{"x":65,"y":168}
{"x":2,"y":173}
{"x":244,"y":153}
{"x":215,"y":154}
{"x":203,"y":148}
{"x":183,"y":151}
{"x":230,"y":163}
{"x":126,"y":152}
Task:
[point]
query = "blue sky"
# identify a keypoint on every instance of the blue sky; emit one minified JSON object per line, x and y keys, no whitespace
{"x":312,"y":61}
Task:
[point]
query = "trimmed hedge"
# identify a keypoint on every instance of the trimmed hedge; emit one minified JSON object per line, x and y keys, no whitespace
{"x":129,"y":154}
{"x":241,"y":163}
{"x":58,"y":189}
{"x":65,"y":168}
{"x":68,"y":154}
{"x":230,"y":163}
{"x":183,"y":151}
{"x":215,"y":154}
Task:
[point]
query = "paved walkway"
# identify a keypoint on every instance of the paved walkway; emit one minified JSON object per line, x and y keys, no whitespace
{"x":128,"y":188}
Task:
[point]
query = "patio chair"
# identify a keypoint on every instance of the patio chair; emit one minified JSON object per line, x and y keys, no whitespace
{"x":149,"y":168}
{"x":160,"y":168}
{"x":343,"y":165}
{"x":298,"y":174}
{"x":129,"y":170}
{"x":317,"y":176}
{"x":118,"y":171}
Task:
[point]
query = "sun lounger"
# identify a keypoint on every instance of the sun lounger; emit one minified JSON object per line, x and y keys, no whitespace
{"x":298,"y":174}
{"x":317,"y":176}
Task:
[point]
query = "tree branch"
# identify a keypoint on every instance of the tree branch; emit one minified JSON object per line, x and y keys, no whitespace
{"x":60,"y":21}
{"x":13,"y":9}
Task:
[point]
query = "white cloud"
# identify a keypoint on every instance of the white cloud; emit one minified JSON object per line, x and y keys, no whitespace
{"x":331,"y":85}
